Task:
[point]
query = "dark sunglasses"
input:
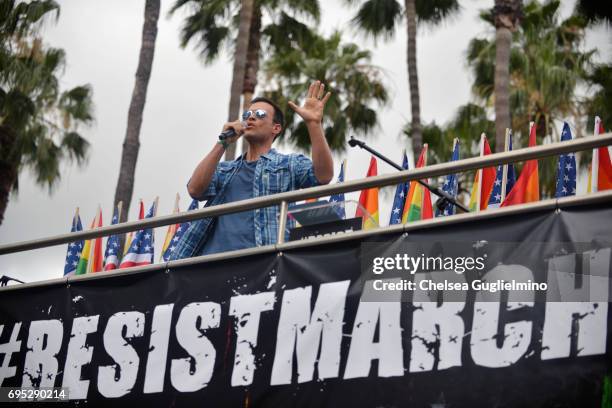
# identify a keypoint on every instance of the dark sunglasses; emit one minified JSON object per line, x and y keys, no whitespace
{"x":259,"y":114}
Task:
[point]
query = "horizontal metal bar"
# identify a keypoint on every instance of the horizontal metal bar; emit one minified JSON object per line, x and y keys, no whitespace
{"x":565,"y":202}
{"x":293,"y":196}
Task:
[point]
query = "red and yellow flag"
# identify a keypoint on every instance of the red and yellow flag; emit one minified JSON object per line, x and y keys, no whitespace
{"x":96,"y":259}
{"x":418,"y":202}
{"x":368,"y":199}
{"x":602,"y":178}
{"x":483,"y":180}
{"x":527,"y":187}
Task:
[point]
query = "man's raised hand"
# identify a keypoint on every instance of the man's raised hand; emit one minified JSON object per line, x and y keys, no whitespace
{"x":312,"y":110}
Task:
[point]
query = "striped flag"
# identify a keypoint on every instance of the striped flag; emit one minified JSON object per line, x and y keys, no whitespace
{"x":483,"y":181}
{"x":400,"y":196}
{"x":111,"y":254}
{"x":601,"y":179}
{"x":566,"y":168}
{"x":451,"y":184}
{"x":141,"y":251}
{"x":504,"y":177}
{"x":128,"y":239}
{"x":527,"y":187}
{"x":171,"y":229}
{"x":180,"y":230}
{"x":368,"y":199}
{"x":339,"y":198}
{"x":418,"y":202}
{"x":73,"y":254}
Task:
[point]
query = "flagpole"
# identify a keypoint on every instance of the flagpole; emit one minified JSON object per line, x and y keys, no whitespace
{"x":444,"y":197}
{"x":480,"y":175}
{"x":505,"y":168}
{"x":595,"y":160}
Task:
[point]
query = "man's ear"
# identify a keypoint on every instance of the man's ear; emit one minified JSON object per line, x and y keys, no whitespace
{"x":277,"y":129}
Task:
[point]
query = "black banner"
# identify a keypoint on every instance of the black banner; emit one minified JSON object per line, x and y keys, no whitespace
{"x":296,"y":329}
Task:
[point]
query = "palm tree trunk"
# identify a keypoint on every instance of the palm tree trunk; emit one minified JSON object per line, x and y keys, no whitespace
{"x":503,"y":42}
{"x":252,"y":63}
{"x":8,"y":168}
{"x":131,"y":144}
{"x":240,"y":57}
{"x":413,"y":78}
{"x":507,"y":14}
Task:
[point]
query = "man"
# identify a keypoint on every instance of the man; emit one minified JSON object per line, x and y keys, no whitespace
{"x":258,"y":172}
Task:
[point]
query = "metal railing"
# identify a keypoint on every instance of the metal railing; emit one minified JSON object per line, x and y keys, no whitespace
{"x":283,"y":199}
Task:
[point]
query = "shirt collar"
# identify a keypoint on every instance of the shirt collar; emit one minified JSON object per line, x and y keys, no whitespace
{"x":270,"y":155}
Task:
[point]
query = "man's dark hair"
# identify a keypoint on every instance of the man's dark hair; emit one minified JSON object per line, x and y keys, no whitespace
{"x":279,"y":117}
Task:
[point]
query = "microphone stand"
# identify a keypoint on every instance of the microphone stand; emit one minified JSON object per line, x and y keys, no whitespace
{"x":443,"y":197}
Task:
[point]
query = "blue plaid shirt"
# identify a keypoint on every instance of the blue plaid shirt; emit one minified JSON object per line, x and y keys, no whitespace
{"x":274,"y":173}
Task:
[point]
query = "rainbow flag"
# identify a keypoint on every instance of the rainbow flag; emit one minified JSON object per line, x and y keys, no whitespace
{"x":95,"y":257}
{"x":83,"y":266}
{"x":483,"y":181}
{"x":527,"y":186}
{"x":602,"y":178}
{"x":418,"y":202}
{"x":368,"y":199}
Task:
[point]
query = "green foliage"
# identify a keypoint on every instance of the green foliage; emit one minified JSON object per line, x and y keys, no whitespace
{"x":38,"y":122}
{"x":380,"y":18}
{"x":212,"y":25}
{"x":346,"y":71}
{"x":601,"y":102}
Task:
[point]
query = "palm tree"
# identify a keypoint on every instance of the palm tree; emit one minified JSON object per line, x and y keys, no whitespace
{"x":380,"y":18}
{"x":131,"y":144}
{"x":39,"y":124}
{"x":211,"y":24}
{"x":346,"y":71}
{"x":506,"y":15}
{"x":546,"y":66}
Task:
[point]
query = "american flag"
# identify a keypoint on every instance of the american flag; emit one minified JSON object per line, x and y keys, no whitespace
{"x":451,"y":184}
{"x":111,"y":254}
{"x":566,"y":168}
{"x":74,"y":248}
{"x":339,"y":198}
{"x":400,"y":197}
{"x":498,"y":194}
{"x":141,"y":249}
{"x":180,"y":230}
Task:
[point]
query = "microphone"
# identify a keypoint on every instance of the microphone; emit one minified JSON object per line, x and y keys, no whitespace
{"x":227,"y":134}
{"x":354,"y":142}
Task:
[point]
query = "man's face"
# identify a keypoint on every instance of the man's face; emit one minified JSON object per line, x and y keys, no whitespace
{"x":260,"y":130}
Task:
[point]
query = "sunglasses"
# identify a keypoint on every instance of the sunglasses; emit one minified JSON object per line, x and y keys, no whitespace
{"x":259,"y":114}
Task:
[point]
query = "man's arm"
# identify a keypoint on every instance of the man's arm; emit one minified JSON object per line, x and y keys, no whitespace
{"x":205,"y":170}
{"x":312,"y":113}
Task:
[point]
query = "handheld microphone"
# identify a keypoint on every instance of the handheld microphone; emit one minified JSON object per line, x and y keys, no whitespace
{"x":227,"y":134}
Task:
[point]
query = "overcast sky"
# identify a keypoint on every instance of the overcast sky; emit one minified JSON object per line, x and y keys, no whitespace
{"x":187,"y":105}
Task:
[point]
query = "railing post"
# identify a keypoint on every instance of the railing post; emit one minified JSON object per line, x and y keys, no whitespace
{"x":282,"y":222}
